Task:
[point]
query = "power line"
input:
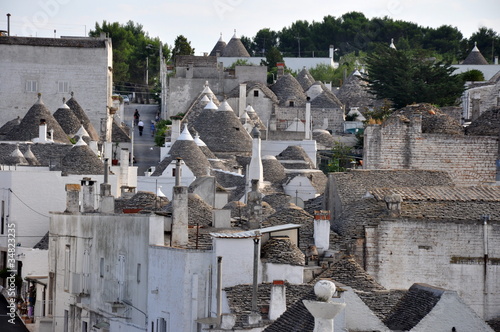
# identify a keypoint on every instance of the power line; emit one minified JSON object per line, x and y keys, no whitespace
{"x":29,"y":207}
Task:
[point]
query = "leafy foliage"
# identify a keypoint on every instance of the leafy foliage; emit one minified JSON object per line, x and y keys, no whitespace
{"x":407,"y":77}
{"x":161,"y":131}
{"x":182,"y":47}
{"x":340,"y":158}
{"x":132,"y":48}
{"x":472,"y":75}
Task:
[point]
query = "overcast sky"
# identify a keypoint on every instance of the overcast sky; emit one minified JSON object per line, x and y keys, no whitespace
{"x":202,"y":21}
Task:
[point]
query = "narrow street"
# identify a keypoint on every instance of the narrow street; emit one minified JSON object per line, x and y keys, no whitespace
{"x":145,"y":152}
{"x":5,"y":326}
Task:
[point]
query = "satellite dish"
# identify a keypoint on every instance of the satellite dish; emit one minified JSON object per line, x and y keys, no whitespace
{"x":297,"y":201}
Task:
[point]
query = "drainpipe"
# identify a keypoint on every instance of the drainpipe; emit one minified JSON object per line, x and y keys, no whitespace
{"x":219,"y":289}
{"x":8,"y":25}
{"x":255,"y":271}
{"x":486,"y":218}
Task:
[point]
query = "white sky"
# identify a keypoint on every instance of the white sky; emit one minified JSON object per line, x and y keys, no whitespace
{"x":202,"y":21}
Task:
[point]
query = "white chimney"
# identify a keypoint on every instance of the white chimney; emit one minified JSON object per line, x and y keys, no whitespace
{"x":179,"y":210}
{"x":323,"y":310}
{"x":322,"y":230}
{"x":277,"y":303}
{"x":331,"y":52}
{"x":243,"y":99}
{"x":496,"y":60}
{"x":308,"y":119}
{"x":176,"y":130}
{"x":255,"y":169}
{"x":88,"y":201}
{"x":42,"y":132}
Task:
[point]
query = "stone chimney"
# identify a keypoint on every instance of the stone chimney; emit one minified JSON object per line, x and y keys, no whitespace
{"x":72,"y":198}
{"x":243,"y":99}
{"x":281,"y":69}
{"x":476,"y":99}
{"x":179,"y":210}
{"x":277,"y":303}
{"x":254,"y":203}
{"x":107,"y":201}
{"x":331,"y":52}
{"x":322,"y":230}
{"x":176,"y":130}
{"x":393,"y":203}
{"x":88,"y":192}
{"x":255,"y":171}
{"x":496,"y":60}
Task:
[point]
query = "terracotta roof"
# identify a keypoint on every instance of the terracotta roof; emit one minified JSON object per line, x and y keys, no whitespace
{"x":81,"y":160}
{"x":288,"y":89}
{"x":191,"y":155}
{"x":305,"y":79}
{"x":82,"y":116}
{"x":28,"y":129}
{"x":235,"y":48}
{"x":281,"y":250}
{"x":487,"y":124}
{"x":413,"y":306}
{"x":295,"y":157}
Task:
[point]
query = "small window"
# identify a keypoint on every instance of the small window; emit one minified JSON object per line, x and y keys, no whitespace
{"x":138,"y":273}
{"x":255,"y":93}
{"x":2,"y":217}
{"x":63,"y":87}
{"x":101,"y":267}
{"x":31,"y":86}
{"x":291,"y":104}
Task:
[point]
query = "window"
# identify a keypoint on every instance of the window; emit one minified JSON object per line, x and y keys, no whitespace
{"x":67,"y":261}
{"x":291,"y":104}
{"x":31,"y":86}
{"x":138,"y":273}
{"x":63,"y":87}
{"x":101,"y":267}
{"x":255,"y":93}
{"x":121,"y":277}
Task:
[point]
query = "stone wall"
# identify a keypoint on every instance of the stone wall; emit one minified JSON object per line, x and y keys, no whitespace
{"x":334,"y":118}
{"x":444,"y":254}
{"x":470,"y":160}
{"x":80,"y":64}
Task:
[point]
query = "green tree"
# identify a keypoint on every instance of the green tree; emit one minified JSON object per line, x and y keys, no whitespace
{"x":273,"y":56}
{"x":182,"y":47}
{"x":472,"y":75}
{"x":406,"y":77}
{"x":340,"y":157}
{"x":488,"y":42}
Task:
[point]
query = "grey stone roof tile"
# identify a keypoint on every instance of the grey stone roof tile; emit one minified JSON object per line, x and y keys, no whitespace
{"x":81,"y":160}
{"x":218,"y":47}
{"x":295,"y":157}
{"x":281,"y":250}
{"x":82,"y":116}
{"x":235,"y":48}
{"x":43,"y":244}
{"x":354,"y":93}
{"x":28,"y":129}
{"x":475,"y":58}
{"x":199,"y":212}
{"x":288,"y":89}
{"x":326,"y":99}
{"x":8,"y":126}
{"x":191,"y":155}
{"x":487,"y":124}
{"x":441,"y":193}
{"x":305,"y":79}
{"x":413,"y":306}
{"x":120,"y":133}
{"x":68,"y":120}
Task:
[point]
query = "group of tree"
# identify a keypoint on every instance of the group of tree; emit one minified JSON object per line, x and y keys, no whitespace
{"x":353,"y":32}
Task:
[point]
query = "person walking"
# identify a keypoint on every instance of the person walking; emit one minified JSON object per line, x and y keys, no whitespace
{"x":136,"y":117}
{"x":141,"y":127}
{"x":152,"y":128}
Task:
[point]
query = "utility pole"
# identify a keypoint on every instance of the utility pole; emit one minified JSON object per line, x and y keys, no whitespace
{"x":298,"y":41}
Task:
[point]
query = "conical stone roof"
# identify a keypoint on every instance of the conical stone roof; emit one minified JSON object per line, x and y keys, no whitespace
{"x":81,"y":160}
{"x":297,"y":158}
{"x":305,"y":79}
{"x":30,"y":157}
{"x":29,"y":128}
{"x":288,"y":89}
{"x":82,"y":116}
{"x":219,"y":47}
{"x":235,"y":48}
{"x":4,"y":130}
{"x":67,"y":119}
{"x":222,"y":131}
{"x":354,"y":93}
{"x":475,"y":58}
{"x":281,"y":250}
{"x":17,"y":158}
{"x":191,"y":155}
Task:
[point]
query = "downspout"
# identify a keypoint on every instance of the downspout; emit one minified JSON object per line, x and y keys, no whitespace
{"x":486,"y":217}
{"x":219,"y":290}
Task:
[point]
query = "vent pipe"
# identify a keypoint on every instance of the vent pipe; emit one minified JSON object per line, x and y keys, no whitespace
{"x":178,"y":172}
{"x":219,"y":289}
{"x":8,"y":25}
